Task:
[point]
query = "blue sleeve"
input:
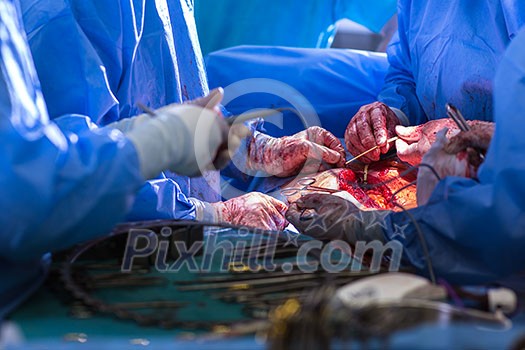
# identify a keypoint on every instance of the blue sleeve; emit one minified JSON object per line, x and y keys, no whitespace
{"x":111,"y":55}
{"x":327,"y":86}
{"x":161,"y":198}
{"x":476,"y":230}
{"x":399,"y":90}
{"x":59,"y":187}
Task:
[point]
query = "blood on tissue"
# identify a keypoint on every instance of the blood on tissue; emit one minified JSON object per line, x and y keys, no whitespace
{"x":377,"y":197}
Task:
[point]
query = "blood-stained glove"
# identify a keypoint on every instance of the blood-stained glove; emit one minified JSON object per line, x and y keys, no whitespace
{"x":309,"y":151}
{"x":371,"y":126}
{"x":253,"y":210}
{"x":460,"y":155}
{"x":415,"y":141}
{"x":329,"y":217}
{"x":437,"y":164}
{"x":474,"y":141}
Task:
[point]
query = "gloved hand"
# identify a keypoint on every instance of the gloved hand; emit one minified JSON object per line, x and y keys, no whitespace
{"x":210,"y":101}
{"x":474,"y":141}
{"x":253,"y":210}
{"x":309,"y":151}
{"x":329,"y":217}
{"x":415,"y":141}
{"x":125,"y":125}
{"x":461,"y":155}
{"x":372,"y":125}
{"x":186,"y":139}
{"x":438,"y":164}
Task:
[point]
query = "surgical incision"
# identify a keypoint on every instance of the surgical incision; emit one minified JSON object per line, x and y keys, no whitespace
{"x":386,"y":184}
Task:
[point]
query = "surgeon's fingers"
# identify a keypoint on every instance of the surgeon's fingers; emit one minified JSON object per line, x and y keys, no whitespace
{"x":321,"y":215}
{"x":320,"y":201}
{"x":467,"y":139}
{"x":329,"y":156}
{"x":277,"y":212}
{"x":366,"y":135}
{"x":299,"y":219}
{"x":271,"y":220}
{"x":391,"y":122}
{"x":293,"y":214}
{"x":378,"y":121}
{"x":257,"y":210}
{"x":414,"y":152}
{"x":325,"y":138}
{"x":210,"y":101}
{"x":278,"y":205}
{"x":408,"y":152}
{"x":410,"y":134}
{"x":353,"y":142}
{"x":315,"y":156}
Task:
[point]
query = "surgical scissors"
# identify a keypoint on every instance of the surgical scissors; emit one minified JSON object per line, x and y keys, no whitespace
{"x":307,"y":185}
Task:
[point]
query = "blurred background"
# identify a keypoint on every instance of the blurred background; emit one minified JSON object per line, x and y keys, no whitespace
{"x":356,"y":24}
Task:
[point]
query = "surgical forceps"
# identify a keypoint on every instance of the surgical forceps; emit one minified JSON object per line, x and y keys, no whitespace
{"x":462,"y":124}
{"x":457,"y":117}
{"x":306,"y":185}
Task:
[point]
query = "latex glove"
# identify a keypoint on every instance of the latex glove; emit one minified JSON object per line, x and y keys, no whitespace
{"x":439,"y":164}
{"x":125,"y":125}
{"x":415,"y":141}
{"x":210,"y":101}
{"x":309,"y":151}
{"x":461,"y":155}
{"x":237,"y":132}
{"x":371,"y":126}
{"x":253,"y":210}
{"x":186,"y":139}
{"x":329,"y":217}
{"x":475,"y":141}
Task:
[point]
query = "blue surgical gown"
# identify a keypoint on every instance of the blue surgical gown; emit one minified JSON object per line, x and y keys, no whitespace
{"x":476,"y":230}
{"x":447,"y":52}
{"x":101,"y":57}
{"x":334,"y":82}
{"x":60,"y":185}
{"x":443,"y":53}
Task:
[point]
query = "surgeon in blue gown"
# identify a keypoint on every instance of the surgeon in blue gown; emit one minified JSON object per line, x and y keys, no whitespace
{"x":113,"y":55}
{"x":474,"y":229}
{"x":443,"y":53}
{"x":67,"y":181}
